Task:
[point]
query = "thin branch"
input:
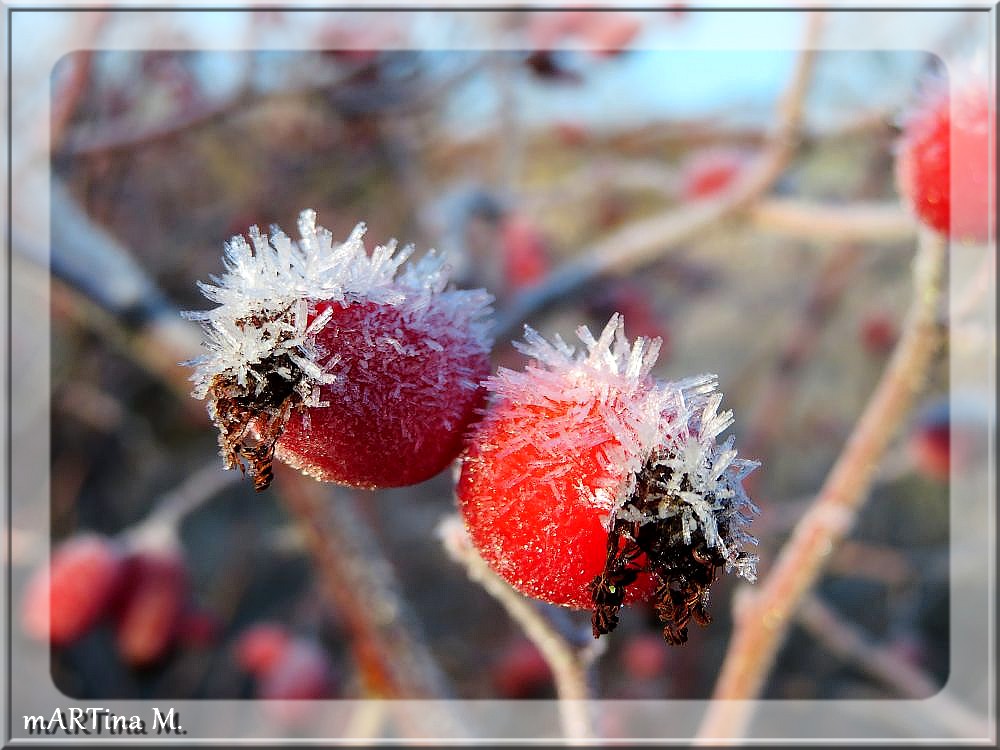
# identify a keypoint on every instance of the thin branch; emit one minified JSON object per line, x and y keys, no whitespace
{"x":762,"y":621}
{"x":646,"y":240}
{"x":361,"y":587}
{"x":568,"y":665}
{"x":850,"y":644}
{"x":851,"y":222}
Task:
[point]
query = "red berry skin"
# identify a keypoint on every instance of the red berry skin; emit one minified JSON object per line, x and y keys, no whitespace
{"x":261,"y":647}
{"x":945,"y":147}
{"x":64,"y":600}
{"x":151,"y":610}
{"x":401,"y":403}
{"x":547,"y":549}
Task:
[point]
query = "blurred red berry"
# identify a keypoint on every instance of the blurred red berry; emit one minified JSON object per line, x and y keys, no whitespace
{"x":945,"y":147}
{"x":548,"y":28}
{"x":635,"y":303}
{"x":303,"y":673}
{"x":262,"y":646}
{"x":930,"y":442}
{"x":147,"y":621}
{"x":570,"y":483}
{"x":707,"y":173}
{"x":525,"y":255}
{"x":609,"y":33}
{"x":879,"y":333}
{"x":521,"y":672}
{"x":198,"y":628}
{"x":644,"y":656}
{"x":323,"y":356}
{"x":571,"y":133}
{"x":66,"y":598}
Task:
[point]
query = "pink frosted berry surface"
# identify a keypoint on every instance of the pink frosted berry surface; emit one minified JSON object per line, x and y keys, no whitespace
{"x":402,"y":393}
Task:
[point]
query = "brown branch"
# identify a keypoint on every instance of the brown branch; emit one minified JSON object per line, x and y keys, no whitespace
{"x":762,"y":621}
{"x":849,"y":643}
{"x":852,"y":222}
{"x":568,"y":665}
{"x":646,"y":240}
{"x":360,"y":584}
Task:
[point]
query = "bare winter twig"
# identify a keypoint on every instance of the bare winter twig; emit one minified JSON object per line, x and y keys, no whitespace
{"x":763,"y":619}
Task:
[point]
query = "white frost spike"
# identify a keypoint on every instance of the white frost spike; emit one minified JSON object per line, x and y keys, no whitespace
{"x":273,"y":281}
{"x":671,"y":424}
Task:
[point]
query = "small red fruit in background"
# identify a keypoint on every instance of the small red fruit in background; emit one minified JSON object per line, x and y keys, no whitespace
{"x":521,"y":672}
{"x":302,"y":673}
{"x":286,"y":667}
{"x":262,"y":646}
{"x":337,"y":362}
{"x":526,"y":259}
{"x":590,"y":484}
{"x":644,"y":656}
{"x":707,"y":173}
{"x":150,"y":612}
{"x":945,"y":148}
{"x":66,"y":598}
{"x":879,"y":333}
{"x":198,"y":628}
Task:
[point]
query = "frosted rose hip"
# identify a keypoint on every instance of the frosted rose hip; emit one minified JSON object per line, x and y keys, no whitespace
{"x":590,"y":484}
{"x":64,"y":599}
{"x":345,"y":365}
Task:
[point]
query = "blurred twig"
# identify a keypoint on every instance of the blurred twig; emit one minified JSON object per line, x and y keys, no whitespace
{"x":849,"y":643}
{"x":360,"y":585}
{"x":851,"y":222}
{"x":170,"y":509}
{"x":762,"y":620}
{"x":831,"y":281}
{"x":645,"y":240}
{"x":568,"y":665}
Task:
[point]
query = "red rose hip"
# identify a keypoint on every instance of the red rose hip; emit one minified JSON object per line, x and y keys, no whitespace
{"x":590,"y":484}
{"x":943,"y":166}
{"x":66,"y":598}
{"x":338,"y":363}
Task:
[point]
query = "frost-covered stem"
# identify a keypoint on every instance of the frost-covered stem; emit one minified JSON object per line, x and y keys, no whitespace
{"x":645,"y":240}
{"x":568,"y":665}
{"x":360,"y":586}
{"x":849,"y":643}
{"x":762,"y":620}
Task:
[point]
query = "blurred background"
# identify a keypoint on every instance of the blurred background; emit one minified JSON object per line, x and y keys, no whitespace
{"x":515,"y":161}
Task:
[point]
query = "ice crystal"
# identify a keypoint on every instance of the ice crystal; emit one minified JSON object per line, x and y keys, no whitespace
{"x":599,"y":443}
{"x":264,"y":294}
{"x":673,"y":425}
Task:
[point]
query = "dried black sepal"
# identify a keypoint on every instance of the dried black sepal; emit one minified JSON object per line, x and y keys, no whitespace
{"x":685,"y":570}
{"x":250,"y":422}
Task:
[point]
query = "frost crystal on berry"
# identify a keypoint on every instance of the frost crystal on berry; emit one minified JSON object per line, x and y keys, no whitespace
{"x":622,"y":474}
{"x":318,"y":335}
